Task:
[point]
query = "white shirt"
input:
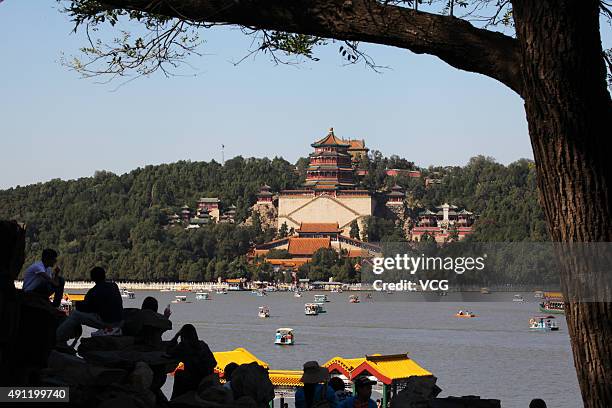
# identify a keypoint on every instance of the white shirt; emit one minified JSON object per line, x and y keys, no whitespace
{"x":32,"y":278}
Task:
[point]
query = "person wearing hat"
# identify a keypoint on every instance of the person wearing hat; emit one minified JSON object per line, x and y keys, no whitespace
{"x":316,"y":393}
{"x":363,"y":389}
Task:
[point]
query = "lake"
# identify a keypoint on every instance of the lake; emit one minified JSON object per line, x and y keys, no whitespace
{"x":494,"y":355}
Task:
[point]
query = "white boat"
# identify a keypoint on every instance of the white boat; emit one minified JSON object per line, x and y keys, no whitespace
{"x":518,"y":298}
{"x":165,"y":290}
{"x":320,"y":298}
{"x":180,"y":299}
{"x":297,"y":294}
{"x":538,"y":294}
{"x":543,"y":323}
{"x":127,"y":294}
{"x":202,"y":296}
{"x":284,"y":337}
{"x":336,"y":290}
{"x":264,"y":312}
{"x":311,"y":309}
{"x":261,"y":292}
{"x":221,"y":291}
{"x":353,"y":299}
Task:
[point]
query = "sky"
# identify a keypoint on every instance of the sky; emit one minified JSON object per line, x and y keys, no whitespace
{"x":54,"y":124}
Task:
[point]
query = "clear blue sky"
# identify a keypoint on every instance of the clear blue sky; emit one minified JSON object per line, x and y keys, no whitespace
{"x":55,"y":125}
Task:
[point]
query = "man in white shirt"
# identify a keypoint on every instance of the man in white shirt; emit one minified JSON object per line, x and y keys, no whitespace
{"x":43,"y":277}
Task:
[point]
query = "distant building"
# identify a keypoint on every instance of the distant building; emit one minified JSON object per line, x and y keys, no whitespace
{"x":357,"y":149}
{"x":229,"y":216}
{"x":442,"y":223}
{"x":403,"y":172}
{"x":329,"y":194}
{"x":308,"y":239}
{"x":211,"y":205}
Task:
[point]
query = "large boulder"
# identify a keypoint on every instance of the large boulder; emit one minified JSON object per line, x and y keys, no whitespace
{"x":417,"y":393}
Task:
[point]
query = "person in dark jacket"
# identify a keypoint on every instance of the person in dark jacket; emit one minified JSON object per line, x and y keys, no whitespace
{"x":102,"y":309}
{"x":198,"y":361}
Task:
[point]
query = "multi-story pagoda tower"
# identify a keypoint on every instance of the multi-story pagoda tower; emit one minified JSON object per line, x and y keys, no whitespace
{"x":329,"y":193}
{"x":330,"y":165}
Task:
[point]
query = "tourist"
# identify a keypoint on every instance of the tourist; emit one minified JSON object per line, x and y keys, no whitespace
{"x":198,"y":360}
{"x":316,"y":392}
{"x":102,"y":309}
{"x":43,"y":277}
{"x":363,"y":389}
{"x":145,"y":324}
{"x":339,"y":388}
{"x":227,"y":374}
{"x":537,"y":403}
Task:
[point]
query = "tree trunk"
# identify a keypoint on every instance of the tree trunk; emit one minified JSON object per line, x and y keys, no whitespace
{"x":567,"y":107}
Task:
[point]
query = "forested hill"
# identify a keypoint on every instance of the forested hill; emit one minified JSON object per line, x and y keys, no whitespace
{"x":117,"y":221}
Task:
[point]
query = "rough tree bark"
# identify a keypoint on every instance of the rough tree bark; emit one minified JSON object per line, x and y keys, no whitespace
{"x":555,"y":64}
{"x":568,"y":109}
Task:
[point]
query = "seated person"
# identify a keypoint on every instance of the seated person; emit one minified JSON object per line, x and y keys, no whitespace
{"x":146,"y":324}
{"x":102,"y":308}
{"x":43,"y":277}
{"x":227,"y":375}
{"x":198,"y":360}
{"x":363,"y":389}
{"x":316,"y":389}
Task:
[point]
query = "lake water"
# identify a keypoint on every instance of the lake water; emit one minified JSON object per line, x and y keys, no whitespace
{"x":494,"y":355}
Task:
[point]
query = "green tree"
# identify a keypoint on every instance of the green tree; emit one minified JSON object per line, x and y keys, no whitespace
{"x":354,"y":232}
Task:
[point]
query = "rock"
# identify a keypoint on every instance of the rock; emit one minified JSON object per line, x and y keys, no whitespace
{"x":417,"y":393}
{"x":104,"y":343}
{"x":141,"y":378}
{"x":75,"y":370}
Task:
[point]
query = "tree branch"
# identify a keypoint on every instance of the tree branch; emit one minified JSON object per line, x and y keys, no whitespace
{"x":455,"y":41}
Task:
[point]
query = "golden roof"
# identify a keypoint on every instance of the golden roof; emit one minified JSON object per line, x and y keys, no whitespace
{"x":238,"y":356}
{"x":386,"y":368}
{"x":330,"y":140}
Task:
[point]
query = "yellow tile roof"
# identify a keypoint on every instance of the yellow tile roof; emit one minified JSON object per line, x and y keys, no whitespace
{"x":390,"y":367}
{"x":238,"y":356}
{"x":286,"y":378}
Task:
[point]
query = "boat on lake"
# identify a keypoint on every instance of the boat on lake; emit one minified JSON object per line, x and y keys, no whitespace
{"x":553,"y":303}
{"x":127,"y":294}
{"x":320,"y":307}
{"x":485,"y":291}
{"x":353,"y":299}
{"x":297,"y":294}
{"x":202,"y":296}
{"x":165,"y":290}
{"x":464,"y":314}
{"x":311,"y":309}
{"x":221,"y":291}
{"x":320,"y":298}
{"x":518,"y":298}
{"x":180,"y":299}
{"x":264,"y":312}
{"x":184,"y":289}
{"x":284,"y":337}
{"x":543,"y":323}
{"x":538,"y":294}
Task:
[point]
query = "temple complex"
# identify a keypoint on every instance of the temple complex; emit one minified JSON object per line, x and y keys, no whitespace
{"x":329,"y":194}
{"x":443,"y":223}
{"x":307,"y":239}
